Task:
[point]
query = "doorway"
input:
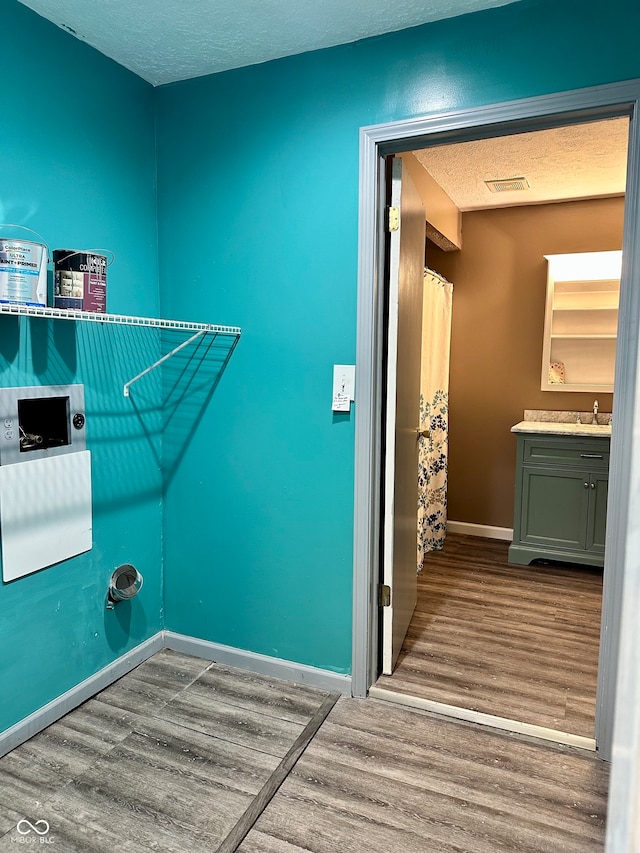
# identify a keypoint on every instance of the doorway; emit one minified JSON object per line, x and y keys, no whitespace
{"x":517,"y":644}
{"x":376,"y":142}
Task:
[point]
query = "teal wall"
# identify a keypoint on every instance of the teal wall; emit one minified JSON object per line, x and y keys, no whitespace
{"x":258,"y":188}
{"x":257,"y":223}
{"x":78,"y":165}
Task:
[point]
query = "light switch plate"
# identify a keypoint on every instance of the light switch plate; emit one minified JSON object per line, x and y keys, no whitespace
{"x":344,"y":385}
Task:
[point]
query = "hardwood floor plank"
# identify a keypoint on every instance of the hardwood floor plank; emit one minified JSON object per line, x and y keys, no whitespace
{"x":440,"y":744}
{"x":76,"y":835}
{"x":168,"y":776}
{"x":380,"y":778}
{"x":246,"y":823}
{"x":199,"y":770}
{"x":315,"y":829}
{"x":409,"y":807}
{"x":238,"y":725}
{"x":216,"y":762}
{"x":550,"y":708}
{"x":261,"y":842}
{"x":153,"y":683}
{"x":580,"y":711}
{"x":493,"y":706}
{"x":445,"y":652}
{"x":153,"y":790}
{"x":268,"y":696}
{"x":51,"y":759}
{"x":95,"y":726}
{"x":171,"y":670}
{"x":87,"y":816}
{"x":549,"y":713}
{"x":8,"y":820}
{"x":521,"y":630}
{"x":454,"y":665}
{"x":73,"y":743}
{"x":520,"y":642}
{"x":137,"y":695}
{"x":551,"y":665}
{"x":163,"y":783}
{"x":22,"y":786}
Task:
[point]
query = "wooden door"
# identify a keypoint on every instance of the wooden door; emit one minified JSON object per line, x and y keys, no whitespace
{"x":406,"y":255}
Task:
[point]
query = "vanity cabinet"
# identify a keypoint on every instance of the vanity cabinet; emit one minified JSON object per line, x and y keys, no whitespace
{"x":560,"y":499}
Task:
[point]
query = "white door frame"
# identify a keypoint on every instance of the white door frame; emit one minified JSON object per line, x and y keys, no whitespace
{"x":620,"y":639}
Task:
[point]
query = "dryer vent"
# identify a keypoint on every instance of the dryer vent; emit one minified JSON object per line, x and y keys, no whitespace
{"x":125,"y":584}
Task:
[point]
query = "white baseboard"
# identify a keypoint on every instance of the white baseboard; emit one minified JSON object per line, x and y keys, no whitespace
{"x":287,"y":670}
{"x":60,"y":706}
{"x":299,"y":673}
{"x":486,"y":530}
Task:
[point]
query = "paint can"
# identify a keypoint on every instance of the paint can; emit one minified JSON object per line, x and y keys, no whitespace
{"x":23,"y":272}
{"x":79,"y":280}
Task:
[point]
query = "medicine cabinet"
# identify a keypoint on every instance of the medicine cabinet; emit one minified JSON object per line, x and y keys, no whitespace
{"x":581,"y":321}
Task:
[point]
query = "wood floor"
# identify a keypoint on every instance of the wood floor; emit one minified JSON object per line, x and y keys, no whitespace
{"x":169,"y":758}
{"x":378,"y":778}
{"x":511,"y":641}
{"x":183,"y":755}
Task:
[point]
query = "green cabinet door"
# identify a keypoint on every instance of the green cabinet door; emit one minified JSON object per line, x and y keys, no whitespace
{"x":554,"y":508}
{"x":597,"y":523}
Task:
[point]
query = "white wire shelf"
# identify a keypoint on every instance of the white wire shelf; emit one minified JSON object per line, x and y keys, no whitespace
{"x":119,"y":319}
{"x":198,"y":330}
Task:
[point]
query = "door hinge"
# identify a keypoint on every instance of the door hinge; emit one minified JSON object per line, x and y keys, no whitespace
{"x":384,"y":595}
{"x":393,"y":218}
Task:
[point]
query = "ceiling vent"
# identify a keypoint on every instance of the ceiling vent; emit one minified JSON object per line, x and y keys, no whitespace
{"x":504,"y":185}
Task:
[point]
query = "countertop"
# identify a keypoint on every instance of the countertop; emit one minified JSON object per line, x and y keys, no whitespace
{"x":550,"y":428}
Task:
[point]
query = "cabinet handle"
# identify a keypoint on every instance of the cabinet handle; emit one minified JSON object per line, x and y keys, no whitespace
{"x":593,"y":485}
{"x":591,"y":456}
{"x":586,"y":485}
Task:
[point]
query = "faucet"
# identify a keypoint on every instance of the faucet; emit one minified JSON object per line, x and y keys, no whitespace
{"x":594,"y":419}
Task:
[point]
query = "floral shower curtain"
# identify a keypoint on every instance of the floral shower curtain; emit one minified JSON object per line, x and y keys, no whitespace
{"x":434,"y":414}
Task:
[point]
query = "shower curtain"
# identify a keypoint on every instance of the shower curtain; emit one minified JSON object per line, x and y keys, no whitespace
{"x":434,"y":414}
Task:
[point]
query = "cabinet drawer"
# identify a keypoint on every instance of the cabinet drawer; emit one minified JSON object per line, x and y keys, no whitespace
{"x":587,"y":453}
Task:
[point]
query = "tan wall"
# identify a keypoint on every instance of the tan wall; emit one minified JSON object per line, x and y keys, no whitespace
{"x":441,"y":213}
{"x":499,"y":292}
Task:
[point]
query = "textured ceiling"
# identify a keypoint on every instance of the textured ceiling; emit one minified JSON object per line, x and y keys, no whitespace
{"x":578,"y":161}
{"x":167,"y":40}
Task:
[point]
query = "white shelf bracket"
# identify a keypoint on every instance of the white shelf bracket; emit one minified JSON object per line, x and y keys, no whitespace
{"x":127,"y":385}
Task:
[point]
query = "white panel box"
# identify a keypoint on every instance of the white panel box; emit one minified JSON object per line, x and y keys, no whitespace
{"x":45,"y":512}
